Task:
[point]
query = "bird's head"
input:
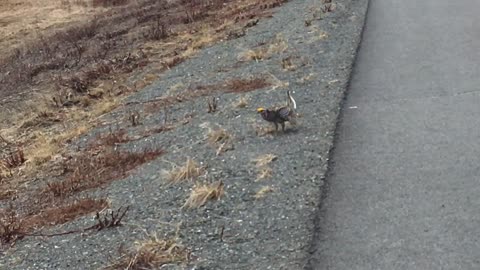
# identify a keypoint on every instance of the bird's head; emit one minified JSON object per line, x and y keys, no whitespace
{"x":260,"y":110}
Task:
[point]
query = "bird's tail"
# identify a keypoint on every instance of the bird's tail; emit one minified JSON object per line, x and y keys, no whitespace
{"x":291,"y":101}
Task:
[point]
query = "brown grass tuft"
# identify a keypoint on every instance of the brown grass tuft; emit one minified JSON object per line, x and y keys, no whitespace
{"x":202,"y":193}
{"x":151,"y":253}
{"x":222,"y":138}
{"x":263,"y":192}
{"x":189,"y":171}
{"x":218,"y":135}
{"x":262,"y":130}
{"x":264,"y":160}
{"x":242,"y":102}
{"x":264,"y":172}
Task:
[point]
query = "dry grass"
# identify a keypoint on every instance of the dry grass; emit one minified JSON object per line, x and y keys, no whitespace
{"x":222,"y":139}
{"x":276,"y":46}
{"x":204,"y":192}
{"x":263,"y":192}
{"x":262,"y":130}
{"x":242,"y":102}
{"x":151,"y":253}
{"x":264,"y":160}
{"x":42,"y":150}
{"x":189,"y":171}
{"x":264,"y":172}
{"x":218,"y":135}
{"x":253,"y":54}
{"x":262,"y":164}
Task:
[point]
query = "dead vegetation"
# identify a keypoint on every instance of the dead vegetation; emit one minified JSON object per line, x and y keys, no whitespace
{"x":212,"y":104}
{"x":111,"y":138}
{"x":13,"y":159}
{"x":242,"y":102}
{"x":262,"y":164}
{"x":264,"y":160}
{"x":15,"y":225}
{"x":10,"y":226}
{"x":262,"y":192}
{"x":86,"y":172}
{"x":218,"y":135}
{"x":265,"y":50}
{"x":188,"y":172}
{"x":64,"y":213}
{"x":221,"y":139}
{"x":151,"y":253}
{"x":202,"y":193}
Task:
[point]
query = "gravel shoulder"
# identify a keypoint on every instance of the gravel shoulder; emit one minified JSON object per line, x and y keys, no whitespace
{"x":272,"y":232}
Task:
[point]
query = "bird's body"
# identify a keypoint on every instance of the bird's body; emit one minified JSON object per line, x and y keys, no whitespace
{"x":280,"y":115}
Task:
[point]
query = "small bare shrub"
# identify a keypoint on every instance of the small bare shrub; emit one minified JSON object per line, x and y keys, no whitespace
{"x":14,"y":159}
{"x":11,"y":227}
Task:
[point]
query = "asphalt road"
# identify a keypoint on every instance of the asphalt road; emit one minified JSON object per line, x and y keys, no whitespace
{"x":404,"y":189}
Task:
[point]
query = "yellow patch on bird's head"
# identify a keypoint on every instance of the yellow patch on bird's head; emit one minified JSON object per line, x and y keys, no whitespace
{"x":260,"y":110}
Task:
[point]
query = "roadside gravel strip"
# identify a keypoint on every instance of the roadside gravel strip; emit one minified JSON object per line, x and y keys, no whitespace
{"x":239,"y":231}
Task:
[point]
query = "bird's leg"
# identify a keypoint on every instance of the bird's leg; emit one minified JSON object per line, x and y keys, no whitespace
{"x":283,"y":126}
{"x":276,"y":126}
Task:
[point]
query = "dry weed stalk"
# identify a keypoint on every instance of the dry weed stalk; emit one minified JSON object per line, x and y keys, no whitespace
{"x":134,"y":118}
{"x":202,"y":193}
{"x":212,"y":104}
{"x":112,"y":220}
